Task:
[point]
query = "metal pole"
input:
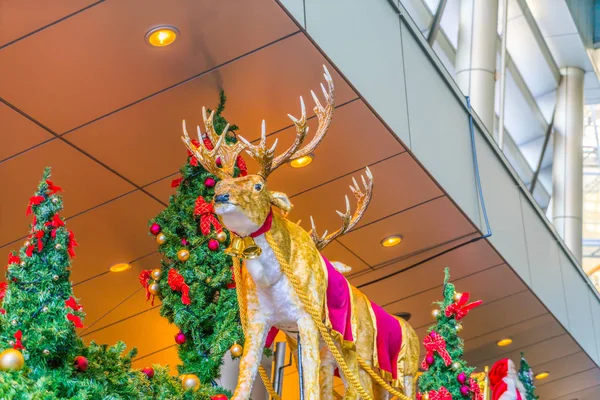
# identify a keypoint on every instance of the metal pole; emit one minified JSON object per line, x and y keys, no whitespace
{"x":435,"y":24}
{"x":544,"y":147}
{"x":278,"y":367}
{"x":300,"y":375}
{"x":502,"y":74}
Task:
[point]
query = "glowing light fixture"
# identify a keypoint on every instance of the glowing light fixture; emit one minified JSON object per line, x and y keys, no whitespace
{"x":301,"y":161}
{"x":542,"y":375}
{"x":504,"y":342}
{"x":120,"y":267}
{"x":162,"y":35}
{"x":391,"y":241}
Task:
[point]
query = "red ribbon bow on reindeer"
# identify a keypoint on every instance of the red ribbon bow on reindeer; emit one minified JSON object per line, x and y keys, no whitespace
{"x":435,"y":342}
{"x":18,"y":344}
{"x":441,"y":394}
{"x":460,"y":308}
{"x":177,"y":283}
{"x":206,"y":211}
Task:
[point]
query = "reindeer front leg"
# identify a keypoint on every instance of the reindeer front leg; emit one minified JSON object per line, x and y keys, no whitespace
{"x":254,"y":340}
{"x":309,"y":340}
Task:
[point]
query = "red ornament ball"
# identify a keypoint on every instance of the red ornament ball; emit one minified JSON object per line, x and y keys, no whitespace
{"x":209,"y":182}
{"x":155,"y":229}
{"x":429,"y":360}
{"x":219,"y":397}
{"x":180,"y":338}
{"x":461,"y":378}
{"x":464,"y":390}
{"x":213,"y":244}
{"x":81,"y":363}
{"x":149,"y":372}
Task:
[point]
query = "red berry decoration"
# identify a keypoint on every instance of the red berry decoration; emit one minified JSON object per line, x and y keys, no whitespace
{"x":219,"y":397}
{"x":184,"y":242}
{"x":209,"y":182}
{"x":213,"y":244}
{"x":180,"y":338}
{"x":149,"y":372}
{"x":81,"y":363}
{"x":464,"y":390}
{"x":155,"y":229}
{"x":462,"y":378}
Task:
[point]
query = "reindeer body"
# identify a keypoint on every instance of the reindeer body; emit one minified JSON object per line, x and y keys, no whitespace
{"x":297,"y":300}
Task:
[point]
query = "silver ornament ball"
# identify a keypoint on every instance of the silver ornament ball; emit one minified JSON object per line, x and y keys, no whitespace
{"x":58,"y":246}
{"x":55,"y":277}
{"x":46,"y":352}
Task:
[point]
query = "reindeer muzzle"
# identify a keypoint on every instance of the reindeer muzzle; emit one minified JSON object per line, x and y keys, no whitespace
{"x":244,"y":248}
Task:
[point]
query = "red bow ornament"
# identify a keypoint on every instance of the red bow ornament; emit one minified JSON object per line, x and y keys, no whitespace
{"x":460,"y":308}
{"x":434,"y":342}
{"x":475,"y":389}
{"x":34,"y":201}
{"x":73,"y":305}
{"x":18,"y":344}
{"x":38,"y":240}
{"x":206,"y":211}
{"x":75,"y":320}
{"x":71,"y":244}
{"x":3,"y":286}
{"x":177,"y":283}
{"x":52,"y":188}
{"x":13,"y":259}
{"x":144,"y":277}
{"x":441,"y":394}
{"x":176,"y":182}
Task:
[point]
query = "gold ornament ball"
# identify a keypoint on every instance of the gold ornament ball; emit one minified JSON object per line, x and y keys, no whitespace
{"x":13,"y":322}
{"x":208,"y":280}
{"x":161,"y":238}
{"x":11,"y":343}
{"x":236,"y":350}
{"x":455,"y":366}
{"x":425,"y":396}
{"x":153,"y":288}
{"x":216,"y":296}
{"x":27,"y":243}
{"x":435,"y":313}
{"x":459,"y":327}
{"x":45,"y":309}
{"x":46,"y":352}
{"x":156,"y":274}
{"x":11,"y":360}
{"x":58,"y":246}
{"x":221,"y":236}
{"x":190,"y":381}
{"x":55,"y":277}
{"x":183,"y":255}
{"x":457,"y":296}
{"x":22,"y":263}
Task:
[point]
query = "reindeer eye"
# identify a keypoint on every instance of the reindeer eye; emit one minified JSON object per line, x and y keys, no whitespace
{"x":258,"y":187}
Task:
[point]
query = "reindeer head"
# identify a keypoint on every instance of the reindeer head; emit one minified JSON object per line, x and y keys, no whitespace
{"x":245,"y":202}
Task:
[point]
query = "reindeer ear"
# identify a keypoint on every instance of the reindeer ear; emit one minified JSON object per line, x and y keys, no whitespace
{"x":281,"y":201}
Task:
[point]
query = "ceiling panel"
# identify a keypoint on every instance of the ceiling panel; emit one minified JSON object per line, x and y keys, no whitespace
{"x":143,"y":142}
{"x":564,"y":366}
{"x":569,"y":384}
{"x":19,"y":18}
{"x":592,"y":393}
{"x":17,"y":133}
{"x":335,"y":251}
{"x":86,"y":184}
{"x":98,"y":61}
{"x":435,"y":222}
{"x":399,"y":183}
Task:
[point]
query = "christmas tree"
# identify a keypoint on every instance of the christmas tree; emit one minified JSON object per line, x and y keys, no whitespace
{"x":447,"y":376}
{"x":42,"y":357}
{"x":194,"y":282}
{"x":526,"y":378}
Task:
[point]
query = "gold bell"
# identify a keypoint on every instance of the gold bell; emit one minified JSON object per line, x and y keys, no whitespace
{"x":236,"y":247}
{"x":251,"y":249}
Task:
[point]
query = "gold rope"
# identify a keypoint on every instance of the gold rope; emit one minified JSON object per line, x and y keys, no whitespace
{"x":241,"y":296}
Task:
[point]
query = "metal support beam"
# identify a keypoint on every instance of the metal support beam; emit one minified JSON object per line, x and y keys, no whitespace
{"x":435,"y":24}
{"x":539,"y":39}
{"x":279,"y":366}
{"x":503,"y":74}
{"x":544,"y":147}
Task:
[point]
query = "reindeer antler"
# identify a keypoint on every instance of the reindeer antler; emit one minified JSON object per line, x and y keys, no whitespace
{"x":348,"y":220}
{"x":266,"y":156}
{"x":222,"y":153}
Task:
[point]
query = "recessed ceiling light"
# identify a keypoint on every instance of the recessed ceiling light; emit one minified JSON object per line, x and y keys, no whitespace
{"x":120,"y":267}
{"x":542,"y":375}
{"x":504,"y":342}
{"x":161,"y":36}
{"x":391,"y":241}
{"x":301,"y":161}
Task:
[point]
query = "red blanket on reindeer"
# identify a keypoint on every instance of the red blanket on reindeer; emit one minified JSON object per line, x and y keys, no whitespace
{"x":387,"y":329}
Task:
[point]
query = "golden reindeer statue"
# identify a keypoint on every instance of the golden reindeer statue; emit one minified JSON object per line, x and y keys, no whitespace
{"x":286,"y":284}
